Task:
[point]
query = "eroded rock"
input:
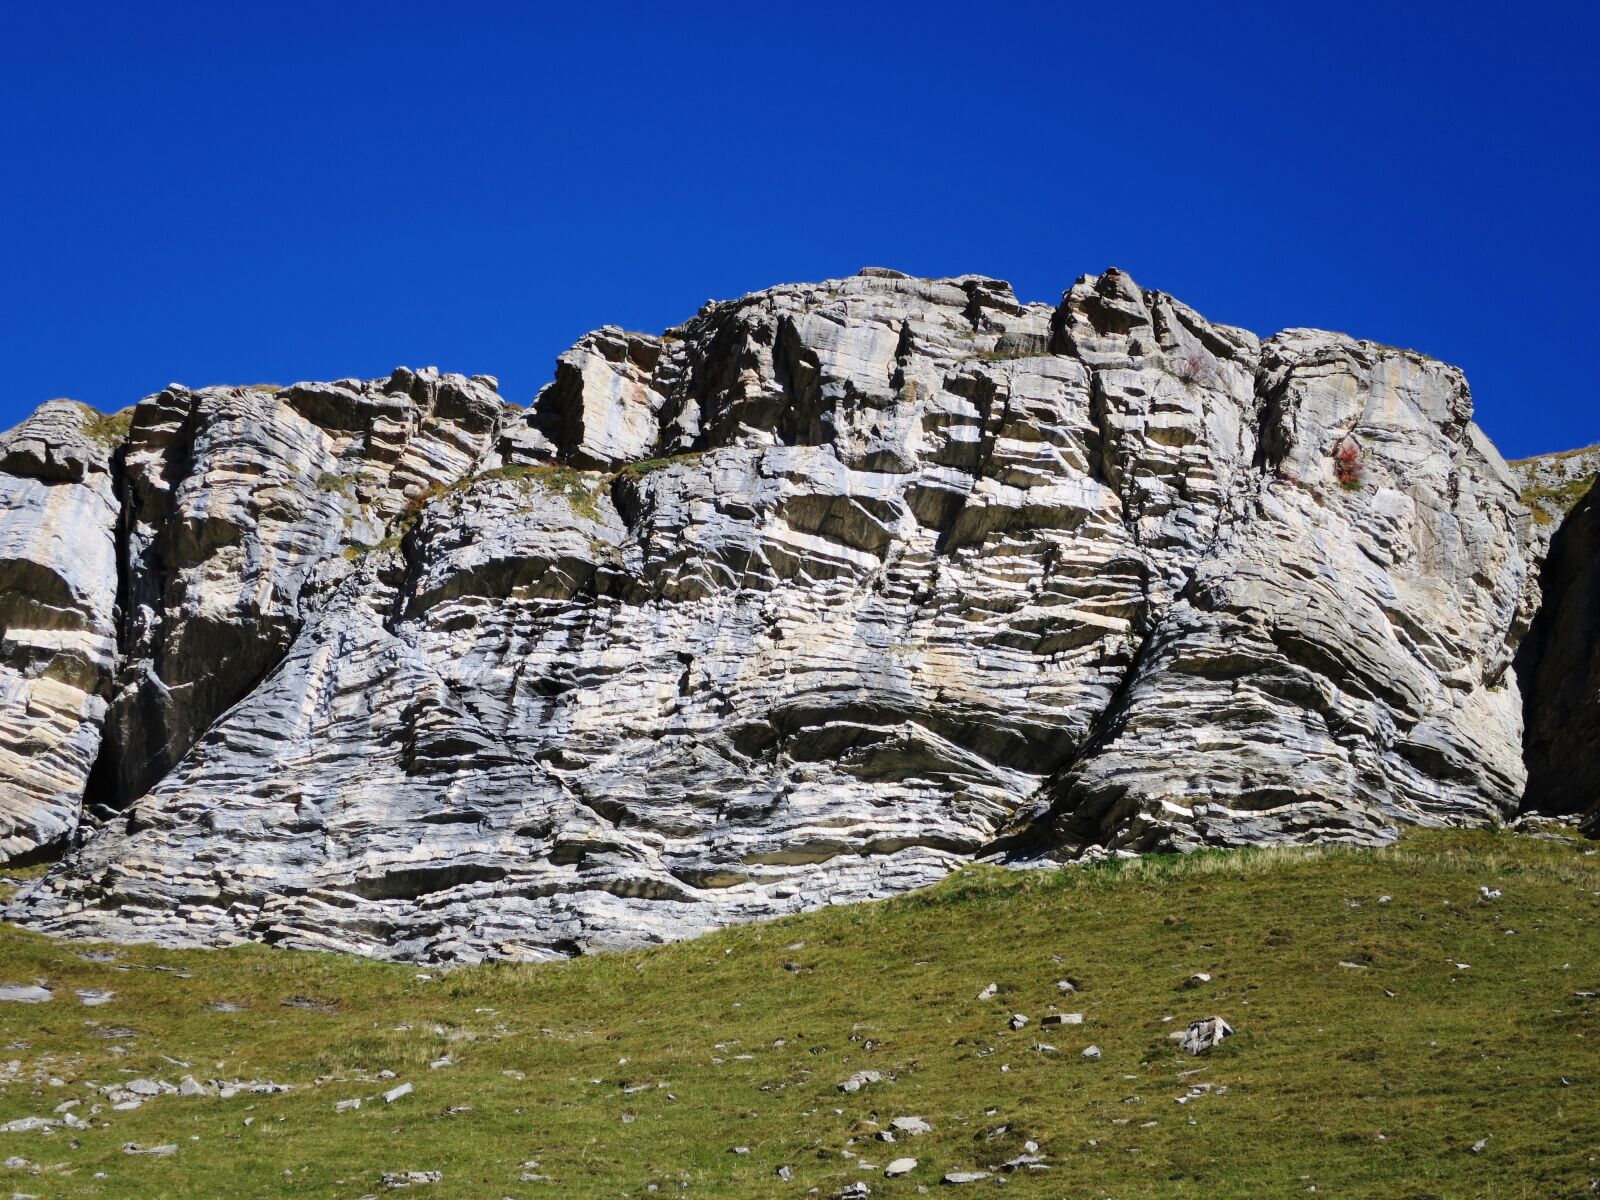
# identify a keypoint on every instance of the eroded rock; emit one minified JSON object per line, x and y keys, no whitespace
{"x":809,"y":600}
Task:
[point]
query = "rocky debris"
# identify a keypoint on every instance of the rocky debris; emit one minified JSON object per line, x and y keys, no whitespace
{"x":395,"y":1093}
{"x":809,"y":600}
{"x":860,"y":1080}
{"x":227,"y":1089}
{"x":899,"y":1167}
{"x":1029,"y":1160}
{"x":94,"y":997}
{"x":1018,"y":1021}
{"x":1197,"y":1090}
{"x":1198,"y":979}
{"x":989,"y":992}
{"x":1063,"y":1019}
{"x":400,"y":1179}
{"x":25,"y":993}
{"x":27,"y":1125}
{"x":1091,"y":1052}
{"x":1489,"y":893}
{"x":1204,"y":1034}
{"x":161,"y":1151}
{"x":959,"y":1177}
{"x":911,"y":1126}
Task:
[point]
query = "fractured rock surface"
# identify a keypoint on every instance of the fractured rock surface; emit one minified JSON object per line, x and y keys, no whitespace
{"x":58,"y":593}
{"x":807,"y":600}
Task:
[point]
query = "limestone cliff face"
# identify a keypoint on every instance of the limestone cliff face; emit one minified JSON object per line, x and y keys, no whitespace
{"x":810,"y":599}
{"x":58,"y":596}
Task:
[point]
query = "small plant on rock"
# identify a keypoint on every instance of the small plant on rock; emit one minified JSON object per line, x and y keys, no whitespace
{"x":1193,"y":369}
{"x":1347,"y":465}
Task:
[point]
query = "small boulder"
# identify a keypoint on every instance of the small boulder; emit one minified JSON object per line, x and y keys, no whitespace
{"x":393,"y":1094}
{"x":1203,"y":1035}
{"x":957,"y":1177}
{"x":860,"y":1080}
{"x":400,"y":1179}
{"x":899,"y":1167}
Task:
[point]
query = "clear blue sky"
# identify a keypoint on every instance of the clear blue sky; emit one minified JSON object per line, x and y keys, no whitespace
{"x":221,"y":194}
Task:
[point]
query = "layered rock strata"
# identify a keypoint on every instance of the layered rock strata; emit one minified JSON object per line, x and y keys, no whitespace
{"x":810,"y":599}
{"x":58,"y":597}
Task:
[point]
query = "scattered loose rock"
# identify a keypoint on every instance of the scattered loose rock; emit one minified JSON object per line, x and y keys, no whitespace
{"x":860,"y":1080}
{"x":400,"y":1179}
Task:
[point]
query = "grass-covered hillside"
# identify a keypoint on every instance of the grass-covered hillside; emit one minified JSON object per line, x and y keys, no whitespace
{"x":1398,"y":1035}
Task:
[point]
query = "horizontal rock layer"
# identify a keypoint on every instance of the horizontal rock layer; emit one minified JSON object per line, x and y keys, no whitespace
{"x":810,"y":599}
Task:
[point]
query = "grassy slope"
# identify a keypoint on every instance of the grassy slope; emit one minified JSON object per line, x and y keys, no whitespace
{"x":1331,"y":1082}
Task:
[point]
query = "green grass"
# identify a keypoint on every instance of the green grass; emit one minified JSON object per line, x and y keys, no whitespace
{"x":1550,"y":504}
{"x":620,"y":1071}
{"x":108,"y":429}
{"x":647,"y":466}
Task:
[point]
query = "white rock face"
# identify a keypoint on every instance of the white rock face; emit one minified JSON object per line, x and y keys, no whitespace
{"x":58,"y":592}
{"x":809,"y":600}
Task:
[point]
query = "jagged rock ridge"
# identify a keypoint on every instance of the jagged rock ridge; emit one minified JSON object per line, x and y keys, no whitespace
{"x":810,"y":599}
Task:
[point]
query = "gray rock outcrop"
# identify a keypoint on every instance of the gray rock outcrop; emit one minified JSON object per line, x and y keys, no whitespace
{"x":810,"y":599}
{"x":58,"y":598}
{"x":1552,"y":485}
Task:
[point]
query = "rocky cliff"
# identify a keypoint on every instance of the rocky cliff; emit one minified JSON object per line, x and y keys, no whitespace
{"x":812,"y":598}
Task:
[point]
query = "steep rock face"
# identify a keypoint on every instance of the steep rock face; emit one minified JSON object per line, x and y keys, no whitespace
{"x":233,"y":495}
{"x":819,"y":595}
{"x":58,"y":593}
{"x":1340,"y":639}
{"x":1559,"y":666}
